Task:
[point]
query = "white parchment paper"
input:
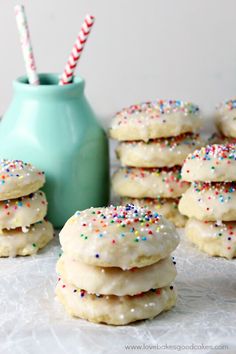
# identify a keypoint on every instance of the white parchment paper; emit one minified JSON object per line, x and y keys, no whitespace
{"x":32,"y":321}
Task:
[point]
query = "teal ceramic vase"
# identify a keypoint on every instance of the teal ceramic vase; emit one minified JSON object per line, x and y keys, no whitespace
{"x":54,"y":128}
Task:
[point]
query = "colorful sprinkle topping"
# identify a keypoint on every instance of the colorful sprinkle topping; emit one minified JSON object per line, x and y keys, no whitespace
{"x":230,"y":104}
{"x":135,"y":222}
{"x":16,"y":169}
{"x":227,"y":233}
{"x":159,"y":107}
{"x":216,"y":152}
{"x":220,"y":192}
{"x":9,"y":208}
{"x":10,"y":166}
{"x":124,"y":229}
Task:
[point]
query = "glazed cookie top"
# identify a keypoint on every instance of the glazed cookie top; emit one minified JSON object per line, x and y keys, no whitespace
{"x":226,"y":108}
{"x":22,"y":211}
{"x":123,"y":236}
{"x":213,"y":163}
{"x":18,"y":179}
{"x":156,"y":119}
{"x":228,"y":104}
{"x":113,"y":280}
{"x":218,"y":236}
{"x":149,"y":182}
{"x":210,"y":201}
{"x":159,"y":152}
{"x":226,"y":117}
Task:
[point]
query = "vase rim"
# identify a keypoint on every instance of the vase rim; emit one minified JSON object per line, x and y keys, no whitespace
{"x":49,"y":82}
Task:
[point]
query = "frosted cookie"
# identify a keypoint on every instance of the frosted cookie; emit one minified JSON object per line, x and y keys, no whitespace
{"x":23,"y":211}
{"x":163,"y":152}
{"x":157,"y":119}
{"x":210,"y":201}
{"x":115,"y":281}
{"x":115,"y":310}
{"x":148,"y":183}
{"x":213,"y":163}
{"x":122,"y":236}
{"x":214,"y":238}
{"x":226,"y":118}
{"x":16,"y":242}
{"x":166,"y":207}
{"x":18,"y":179}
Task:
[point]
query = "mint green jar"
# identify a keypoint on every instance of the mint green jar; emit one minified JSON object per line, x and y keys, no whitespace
{"x":54,"y":128}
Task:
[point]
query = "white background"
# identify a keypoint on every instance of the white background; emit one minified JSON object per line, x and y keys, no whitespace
{"x":138,"y":49}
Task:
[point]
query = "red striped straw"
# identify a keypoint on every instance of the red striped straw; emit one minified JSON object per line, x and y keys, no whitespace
{"x":26,"y":45}
{"x":67,"y":76}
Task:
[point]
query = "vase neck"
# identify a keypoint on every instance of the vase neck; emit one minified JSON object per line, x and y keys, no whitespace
{"x":48,"y":88}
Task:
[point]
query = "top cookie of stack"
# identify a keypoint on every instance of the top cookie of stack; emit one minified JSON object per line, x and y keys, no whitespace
{"x":155,"y":138}
{"x":226,"y":118}
{"x":210,"y":202}
{"x":23,"y":207}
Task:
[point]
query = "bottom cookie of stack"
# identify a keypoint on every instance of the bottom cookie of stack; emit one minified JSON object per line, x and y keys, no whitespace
{"x":112,"y":295}
{"x":23,"y":242}
{"x":165,"y":206}
{"x":115,"y":310}
{"x":215,"y":238}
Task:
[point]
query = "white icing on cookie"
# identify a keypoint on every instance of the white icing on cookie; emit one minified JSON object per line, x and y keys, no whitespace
{"x":156,"y":119}
{"x":115,"y":281}
{"x":122,"y":236}
{"x":163,"y":152}
{"x":23,"y":211}
{"x":18,"y":179}
{"x":215,"y":238}
{"x":115,"y":310}
{"x":149,"y":183}
{"x":18,"y":242}
{"x":226,"y":118}
{"x":210,"y":201}
{"x":213,"y":163}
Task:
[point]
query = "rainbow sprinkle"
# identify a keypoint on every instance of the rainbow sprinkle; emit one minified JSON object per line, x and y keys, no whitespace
{"x":13,"y":168}
{"x":221,"y":191}
{"x":132,"y":221}
{"x":216,"y":152}
{"x":230,"y":104}
{"x":160,"y":107}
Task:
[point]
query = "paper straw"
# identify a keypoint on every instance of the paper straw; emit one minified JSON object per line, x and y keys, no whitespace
{"x":67,"y":76}
{"x":26,"y":45}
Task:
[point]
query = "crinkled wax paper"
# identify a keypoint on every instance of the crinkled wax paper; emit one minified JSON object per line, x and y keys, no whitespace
{"x":33,"y":321}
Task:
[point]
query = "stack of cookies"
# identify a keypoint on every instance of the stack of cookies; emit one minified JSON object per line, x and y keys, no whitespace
{"x":155,"y":138}
{"x":23,"y":230}
{"x":116,"y":266}
{"x":210,"y":202}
